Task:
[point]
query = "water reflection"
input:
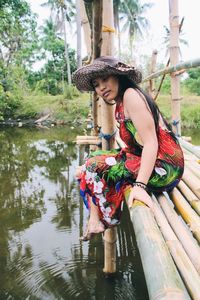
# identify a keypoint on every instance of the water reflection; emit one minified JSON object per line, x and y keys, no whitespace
{"x":41,"y":219}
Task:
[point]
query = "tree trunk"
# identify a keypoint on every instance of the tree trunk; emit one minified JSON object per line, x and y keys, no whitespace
{"x":97,"y":27}
{"x":66,"y":48}
{"x":174,"y":59}
{"x":78,"y":24}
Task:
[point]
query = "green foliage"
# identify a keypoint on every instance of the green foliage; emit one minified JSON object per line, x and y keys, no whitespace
{"x":17,"y":45}
{"x":193,"y":81}
{"x":8,"y":103}
{"x":166,"y":85}
{"x":190,"y":116}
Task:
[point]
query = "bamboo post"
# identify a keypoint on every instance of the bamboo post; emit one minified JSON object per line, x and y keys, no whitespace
{"x":86,"y":28}
{"x":188,"y":272}
{"x":174,"y":59}
{"x":184,"y":235}
{"x":108,"y":127}
{"x":152,"y":70}
{"x":162,"y":278}
{"x":188,"y":214}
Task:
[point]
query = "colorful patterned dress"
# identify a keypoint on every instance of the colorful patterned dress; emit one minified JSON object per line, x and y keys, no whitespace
{"x":106,"y":175}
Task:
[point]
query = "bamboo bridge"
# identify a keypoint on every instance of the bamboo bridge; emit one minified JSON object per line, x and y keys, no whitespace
{"x":168,"y":238}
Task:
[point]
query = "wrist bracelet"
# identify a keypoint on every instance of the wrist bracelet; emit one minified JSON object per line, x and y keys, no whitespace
{"x":140,"y":184}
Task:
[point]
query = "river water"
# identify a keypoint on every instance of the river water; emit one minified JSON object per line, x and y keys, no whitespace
{"x":42,"y":218}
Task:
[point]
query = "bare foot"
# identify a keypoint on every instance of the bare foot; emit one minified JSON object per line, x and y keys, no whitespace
{"x":93,"y":227}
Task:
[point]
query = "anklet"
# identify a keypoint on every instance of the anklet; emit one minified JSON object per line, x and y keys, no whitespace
{"x":140,"y":184}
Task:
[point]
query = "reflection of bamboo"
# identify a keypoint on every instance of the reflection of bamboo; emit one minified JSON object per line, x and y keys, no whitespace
{"x":186,"y":268}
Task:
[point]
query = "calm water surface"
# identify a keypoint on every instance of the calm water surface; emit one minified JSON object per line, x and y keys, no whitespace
{"x":41,"y":219}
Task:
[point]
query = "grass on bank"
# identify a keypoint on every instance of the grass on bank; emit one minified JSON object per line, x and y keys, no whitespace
{"x":58,"y":107}
{"x":74,"y":107}
{"x":190,"y":109}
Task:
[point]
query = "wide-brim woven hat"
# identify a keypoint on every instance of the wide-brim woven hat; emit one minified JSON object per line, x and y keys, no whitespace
{"x":84,"y":76}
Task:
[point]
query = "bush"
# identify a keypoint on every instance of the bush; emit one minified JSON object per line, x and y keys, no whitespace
{"x":8,"y":104}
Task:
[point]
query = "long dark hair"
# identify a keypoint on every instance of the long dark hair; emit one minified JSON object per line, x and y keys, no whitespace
{"x":125,"y":83}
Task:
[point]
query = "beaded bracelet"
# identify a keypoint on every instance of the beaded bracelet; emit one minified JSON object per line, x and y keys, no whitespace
{"x":140,"y":184}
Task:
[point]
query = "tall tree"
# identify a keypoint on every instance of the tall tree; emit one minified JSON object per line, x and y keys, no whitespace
{"x":64,"y":11}
{"x":17,"y":31}
{"x":132,"y":12}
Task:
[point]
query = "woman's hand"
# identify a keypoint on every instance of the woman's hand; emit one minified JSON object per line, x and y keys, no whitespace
{"x":138,"y":193}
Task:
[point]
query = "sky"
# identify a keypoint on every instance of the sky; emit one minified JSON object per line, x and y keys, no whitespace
{"x":158,"y":16}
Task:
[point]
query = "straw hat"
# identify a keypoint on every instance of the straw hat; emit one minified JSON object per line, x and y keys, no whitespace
{"x":103,"y":66}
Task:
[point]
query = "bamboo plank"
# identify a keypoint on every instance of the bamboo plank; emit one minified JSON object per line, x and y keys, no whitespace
{"x":188,"y":214}
{"x":162,"y":277}
{"x":194,"y":167}
{"x":190,"y":196}
{"x":190,"y":147}
{"x":192,"y":181}
{"x":88,"y":142}
{"x":188,"y":272}
{"x":184,"y":235}
{"x":86,"y":137}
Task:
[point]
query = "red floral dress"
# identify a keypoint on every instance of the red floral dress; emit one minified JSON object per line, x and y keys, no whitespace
{"x":106,"y":175}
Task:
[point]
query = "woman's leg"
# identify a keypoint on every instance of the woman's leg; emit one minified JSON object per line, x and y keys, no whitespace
{"x":94,"y":224}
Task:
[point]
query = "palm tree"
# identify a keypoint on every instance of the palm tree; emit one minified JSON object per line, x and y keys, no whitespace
{"x":64,"y":11}
{"x":166,"y":38}
{"x":132,"y":12}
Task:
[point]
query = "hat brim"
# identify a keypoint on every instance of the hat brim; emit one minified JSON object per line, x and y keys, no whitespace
{"x":83,"y":77}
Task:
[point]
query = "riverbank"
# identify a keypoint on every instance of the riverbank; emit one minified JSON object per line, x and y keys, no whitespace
{"x":48,"y":110}
{"x":190,"y":110}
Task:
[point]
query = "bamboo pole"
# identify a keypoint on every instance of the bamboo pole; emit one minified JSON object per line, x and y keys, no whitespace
{"x":188,"y":214}
{"x":188,"y":272}
{"x":184,"y":235}
{"x":162,"y":278}
{"x":190,"y":196}
{"x":180,"y":66}
{"x":174,"y":59}
{"x":108,"y":127}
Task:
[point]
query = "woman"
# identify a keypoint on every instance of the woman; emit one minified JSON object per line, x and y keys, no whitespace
{"x":152,"y":160}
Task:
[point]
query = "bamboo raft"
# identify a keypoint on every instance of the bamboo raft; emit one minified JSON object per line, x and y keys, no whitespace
{"x":168,"y":239}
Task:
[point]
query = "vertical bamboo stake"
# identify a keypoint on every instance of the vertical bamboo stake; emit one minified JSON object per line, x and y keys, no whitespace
{"x":79,"y":41}
{"x":86,"y":28}
{"x":174,"y":59}
{"x":108,"y":127}
{"x":152,"y":70}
